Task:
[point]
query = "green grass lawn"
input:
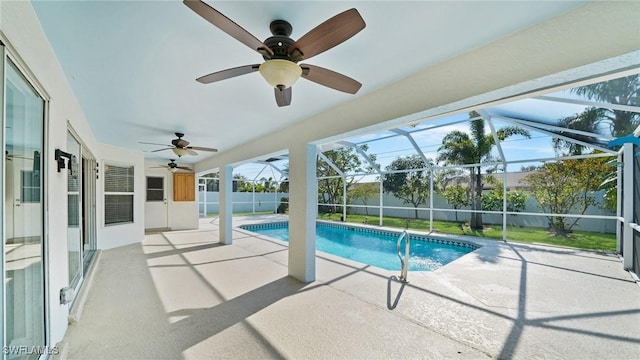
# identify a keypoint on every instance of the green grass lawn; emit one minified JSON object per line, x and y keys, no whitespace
{"x":578,"y":239}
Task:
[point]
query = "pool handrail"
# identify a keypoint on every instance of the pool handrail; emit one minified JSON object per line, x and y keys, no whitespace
{"x":404,"y":262}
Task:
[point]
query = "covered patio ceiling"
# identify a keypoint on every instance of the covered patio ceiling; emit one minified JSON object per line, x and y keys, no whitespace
{"x":133,"y":64}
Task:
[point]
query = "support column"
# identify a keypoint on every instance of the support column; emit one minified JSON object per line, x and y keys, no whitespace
{"x":381,"y":206}
{"x":303,"y":208}
{"x":204,"y":197}
{"x":431,"y":196}
{"x":344,"y":198}
{"x":504,"y":203}
{"x":619,"y":229}
{"x":225,"y":207}
{"x":627,"y":182}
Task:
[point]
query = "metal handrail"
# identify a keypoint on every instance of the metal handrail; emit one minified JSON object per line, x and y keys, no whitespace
{"x":404,"y":263}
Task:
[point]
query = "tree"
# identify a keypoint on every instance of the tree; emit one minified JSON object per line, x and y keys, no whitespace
{"x":459,"y":148}
{"x":265,"y":185}
{"x":284,"y":183}
{"x":566,"y":187}
{"x":412,"y":185}
{"x":585,"y":121}
{"x":241,"y":184}
{"x":284,"y":186}
{"x":494,"y":199}
{"x":528,"y":168}
{"x":330,"y":190}
{"x":364,"y":191}
{"x":448,"y":176}
{"x":621,"y":91}
{"x":457,"y":196}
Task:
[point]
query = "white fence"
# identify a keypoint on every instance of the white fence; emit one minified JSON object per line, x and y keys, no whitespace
{"x":395,"y":207}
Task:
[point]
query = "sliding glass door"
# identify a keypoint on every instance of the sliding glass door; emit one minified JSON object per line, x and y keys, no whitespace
{"x":23,"y":246}
{"x":74,"y":231}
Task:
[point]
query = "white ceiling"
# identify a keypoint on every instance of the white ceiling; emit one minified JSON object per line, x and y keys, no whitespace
{"x":133,"y":64}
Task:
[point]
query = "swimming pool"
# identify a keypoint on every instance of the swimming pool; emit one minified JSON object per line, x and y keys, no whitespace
{"x":373,"y":246}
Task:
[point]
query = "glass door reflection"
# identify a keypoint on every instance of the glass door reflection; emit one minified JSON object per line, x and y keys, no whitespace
{"x":23,"y":241}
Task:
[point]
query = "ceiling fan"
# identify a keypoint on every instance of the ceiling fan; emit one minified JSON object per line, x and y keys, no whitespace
{"x":281,"y":53}
{"x":172,"y":166}
{"x":181,"y":146}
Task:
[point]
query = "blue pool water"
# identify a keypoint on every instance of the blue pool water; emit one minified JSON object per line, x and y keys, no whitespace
{"x":377,"y":248}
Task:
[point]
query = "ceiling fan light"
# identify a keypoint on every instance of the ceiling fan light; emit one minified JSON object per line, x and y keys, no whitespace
{"x":180,"y":151}
{"x":172,"y":169}
{"x":280,"y":73}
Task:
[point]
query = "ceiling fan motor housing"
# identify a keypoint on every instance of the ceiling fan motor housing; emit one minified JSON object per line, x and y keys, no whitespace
{"x":179,"y":142}
{"x":280,"y":41}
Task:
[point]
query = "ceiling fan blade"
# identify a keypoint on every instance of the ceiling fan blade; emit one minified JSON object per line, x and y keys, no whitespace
{"x":148,"y":143}
{"x":228,"y":26}
{"x":190,"y":151}
{"x":200,"y":148}
{"x":227,"y":74}
{"x":283,"y":97}
{"x":183,"y":168}
{"x":327,"y":35}
{"x":330,"y":78}
{"x":169,"y":148}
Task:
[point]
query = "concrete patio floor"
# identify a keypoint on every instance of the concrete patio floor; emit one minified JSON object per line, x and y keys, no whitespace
{"x":181,"y":295}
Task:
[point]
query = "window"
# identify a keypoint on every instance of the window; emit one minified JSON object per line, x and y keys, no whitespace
{"x":30,"y":186}
{"x":155,"y":188}
{"x":118,"y":194}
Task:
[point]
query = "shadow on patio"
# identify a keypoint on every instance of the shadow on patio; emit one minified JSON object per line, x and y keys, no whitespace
{"x":180,"y":295}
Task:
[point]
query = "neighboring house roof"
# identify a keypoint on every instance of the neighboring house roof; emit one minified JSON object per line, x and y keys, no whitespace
{"x":514,"y":179}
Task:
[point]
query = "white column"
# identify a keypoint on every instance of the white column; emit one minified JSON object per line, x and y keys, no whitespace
{"x":275,"y":199}
{"x":627,"y":173}
{"x":619,"y":231}
{"x":504,"y":203}
{"x":344,"y":198}
{"x":381,"y":215}
{"x":204,"y":197}
{"x":303,"y":207}
{"x":225,"y":207}
{"x":3,"y":163}
{"x":431,"y":195}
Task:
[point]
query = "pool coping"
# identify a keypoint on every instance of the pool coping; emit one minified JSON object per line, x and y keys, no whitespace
{"x":448,"y":239}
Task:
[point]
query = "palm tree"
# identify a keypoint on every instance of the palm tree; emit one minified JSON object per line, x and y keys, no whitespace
{"x":621,"y":91}
{"x":459,"y":148}
{"x":585,"y":121}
